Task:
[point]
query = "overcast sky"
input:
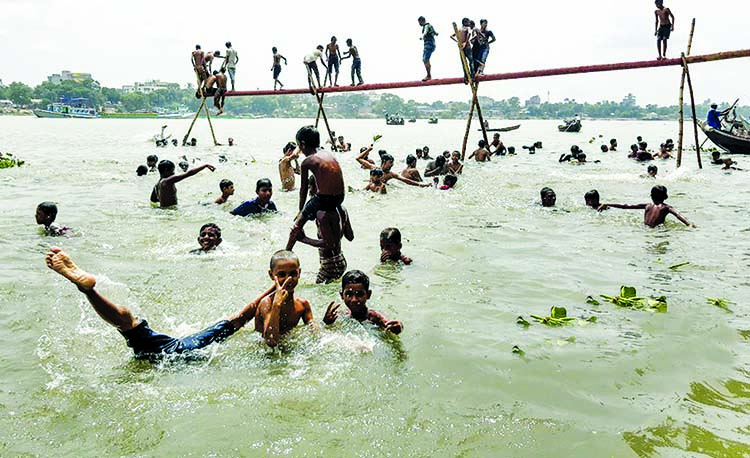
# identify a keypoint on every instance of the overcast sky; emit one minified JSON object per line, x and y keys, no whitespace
{"x":136,"y":40}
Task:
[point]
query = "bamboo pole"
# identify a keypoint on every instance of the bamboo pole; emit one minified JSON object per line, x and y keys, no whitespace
{"x":682,"y":88}
{"x":692,"y":106}
{"x":197,"y":113}
{"x":321,"y":110}
{"x":468,"y":128}
{"x":208,"y":116}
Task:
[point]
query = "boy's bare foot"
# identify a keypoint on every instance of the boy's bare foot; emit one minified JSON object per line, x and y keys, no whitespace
{"x":427,"y":78}
{"x":59,"y":261}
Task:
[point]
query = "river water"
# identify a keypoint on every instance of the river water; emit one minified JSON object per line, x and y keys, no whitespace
{"x":635,"y":383}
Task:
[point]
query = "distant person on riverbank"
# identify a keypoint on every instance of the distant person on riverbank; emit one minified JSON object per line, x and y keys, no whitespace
{"x":230,"y":61}
{"x":663,"y":27}
{"x":376,"y":183}
{"x":197,"y":58}
{"x":428,"y":38}
{"x":353,"y":52}
{"x":286,"y":170}
{"x":355,"y":291}
{"x":592,"y":199}
{"x":329,"y":181}
{"x":655,"y":213}
{"x":390,"y":246}
{"x":221,"y":89}
{"x":276,"y":311}
{"x":411,"y":172}
{"x":310,"y":62}
{"x":261,"y":204}
{"x":481,"y":154}
{"x":165,"y":191}
{"x":46,"y":213}
{"x":227,"y":190}
{"x":548,"y":197}
{"x":276,"y":67}
{"x":334,"y":58}
{"x":141,"y":170}
{"x":332,"y":227}
{"x":209,"y":237}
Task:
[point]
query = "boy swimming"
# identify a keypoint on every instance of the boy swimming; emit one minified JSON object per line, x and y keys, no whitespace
{"x":386,"y":166}
{"x":286,"y":170}
{"x":227,"y":190}
{"x":276,"y":311}
{"x":390,"y":246}
{"x":548,"y":197}
{"x":209,"y":238}
{"x":46,"y":212}
{"x":376,"y":183}
{"x":655,"y":213}
{"x":165,"y":191}
{"x":592,"y":199}
{"x":261,"y":204}
{"x":355,"y":291}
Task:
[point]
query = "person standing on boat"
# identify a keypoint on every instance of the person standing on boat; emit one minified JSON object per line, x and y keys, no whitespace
{"x":664,"y":27}
{"x":230,"y":61}
{"x":714,"y":116}
{"x":428,"y":38}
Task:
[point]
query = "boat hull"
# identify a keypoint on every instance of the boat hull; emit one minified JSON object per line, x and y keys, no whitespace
{"x":55,"y":114}
{"x":570,"y":127}
{"x":502,"y":129}
{"x":726,"y":141}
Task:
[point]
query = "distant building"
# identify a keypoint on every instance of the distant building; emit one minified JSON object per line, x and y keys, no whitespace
{"x":149,"y":86}
{"x":66,"y":75}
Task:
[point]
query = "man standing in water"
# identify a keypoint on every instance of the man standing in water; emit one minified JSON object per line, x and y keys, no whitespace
{"x":428,"y":38}
{"x":230,"y":61}
{"x":664,"y":27}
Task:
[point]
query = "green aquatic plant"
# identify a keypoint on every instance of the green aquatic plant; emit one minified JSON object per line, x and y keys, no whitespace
{"x":721,"y":303}
{"x":592,"y":301}
{"x":558,"y":316}
{"x":8,"y":161}
{"x":376,"y":138}
{"x":628,"y":298}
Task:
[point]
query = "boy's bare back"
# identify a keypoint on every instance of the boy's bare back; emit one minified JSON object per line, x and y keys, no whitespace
{"x":327,"y":172}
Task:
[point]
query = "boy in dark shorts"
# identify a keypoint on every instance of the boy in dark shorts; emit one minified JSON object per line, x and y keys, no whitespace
{"x":227,"y":190}
{"x":428,"y":38}
{"x":209,"y":238}
{"x":655,"y":213}
{"x":276,"y":68}
{"x":664,"y":26}
{"x":46,"y":212}
{"x":328,"y":178}
{"x":165,"y":191}
{"x":261,"y":204}
{"x":390,"y":246}
{"x":355,"y":291}
{"x":334,"y":58}
{"x":276,"y":311}
{"x":353,"y":52}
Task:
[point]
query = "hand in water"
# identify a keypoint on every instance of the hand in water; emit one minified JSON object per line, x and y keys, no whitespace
{"x":331,"y":313}
{"x":393,"y":326}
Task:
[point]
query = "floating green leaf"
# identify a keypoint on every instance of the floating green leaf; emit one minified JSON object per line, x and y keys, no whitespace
{"x":376,"y":138}
{"x":721,"y":303}
{"x":517,"y":350}
{"x":522,"y":321}
{"x":558,"y":317}
{"x":628,"y":298}
{"x":592,"y":301}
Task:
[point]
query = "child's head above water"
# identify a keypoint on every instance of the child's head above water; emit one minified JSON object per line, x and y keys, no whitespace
{"x":449,"y":181}
{"x":376,"y":175}
{"x":226,"y":187}
{"x":285,"y":263}
{"x":141,"y":170}
{"x":264,"y":190}
{"x":209,"y":236}
{"x":355,"y":291}
{"x":390,"y":239}
{"x":411,"y":160}
{"x":548,"y":197}
{"x":659,"y":194}
{"x":46,"y":212}
{"x":151,"y":160}
{"x":652,"y":169}
{"x":166,"y":168}
{"x":289,"y":148}
{"x":308,"y":137}
{"x":184,"y":166}
{"x":592,"y":198}
{"x":386,"y":160}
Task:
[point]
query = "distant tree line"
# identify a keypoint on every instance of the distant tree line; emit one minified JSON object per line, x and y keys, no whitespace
{"x":360,"y":105}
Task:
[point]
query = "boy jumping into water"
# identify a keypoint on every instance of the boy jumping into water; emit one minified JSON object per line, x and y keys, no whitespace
{"x":276,"y":67}
{"x":355,"y":291}
{"x":655,"y":213}
{"x":356,"y":61}
{"x":328,"y":178}
{"x":663,"y":27}
{"x":165,"y":191}
{"x":276,"y":311}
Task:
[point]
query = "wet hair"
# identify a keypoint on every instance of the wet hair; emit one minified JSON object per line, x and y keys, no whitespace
{"x":482,"y":21}
{"x":376,"y":172}
{"x":333,"y":38}
{"x":165,"y":166}
{"x":659,"y":193}
{"x":283,"y":255}
{"x":211,"y":226}
{"x":197,"y":46}
{"x":48,"y":208}
{"x":482,"y":143}
{"x":228,"y":44}
{"x":361,"y":150}
{"x":591,"y":195}
{"x":216,"y":72}
{"x":440,"y":161}
{"x":263,"y":183}
{"x":411,"y":159}
{"x":604,"y":148}
{"x":612,"y":141}
{"x":574,"y":149}
{"x":309,"y":136}
{"x":390,"y":234}
{"x":141,"y":170}
{"x":184,"y":165}
{"x":511,"y":149}
{"x":217,"y":53}
{"x":545,"y":191}
{"x":355,"y":277}
{"x":634,"y":147}
{"x":643,"y":145}
{"x":715,"y":154}
{"x":385,"y":157}
{"x":152,"y":158}
{"x":224,"y":184}
{"x":274,"y":49}
{"x":450,"y":180}
{"x":289,"y":146}
{"x":652,"y":167}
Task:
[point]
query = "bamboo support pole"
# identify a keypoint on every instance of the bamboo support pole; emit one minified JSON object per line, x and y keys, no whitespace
{"x":208,"y":116}
{"x":321,"y":110}
{"x":692,"y":106}
{"x":682,"y":88}
{"x":197,"y":113}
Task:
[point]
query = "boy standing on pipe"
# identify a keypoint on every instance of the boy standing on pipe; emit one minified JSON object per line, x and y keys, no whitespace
{"x":664,"y":27}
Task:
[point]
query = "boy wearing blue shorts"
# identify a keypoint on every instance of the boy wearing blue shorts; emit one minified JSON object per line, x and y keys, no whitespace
{"x":428,"y":38}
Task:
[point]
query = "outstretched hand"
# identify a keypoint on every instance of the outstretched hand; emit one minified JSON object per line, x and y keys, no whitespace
{"x":210,"y":167}
{"x":393,"y":326}
{"x":331,"y":313}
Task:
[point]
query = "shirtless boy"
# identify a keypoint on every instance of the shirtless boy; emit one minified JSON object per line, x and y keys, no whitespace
{"x":334,"y":58}
{"x":390,"y":246}
{"x":46,"y":212}
{"x":376,"y":183}
{"x":386,"y":166}
{"x":464,"y":40}
{"x":497,"y":144}
{"x":197,"y":59}
{"x":276,"y":311}
{"x":355,"y":291}
{"x":411,"y":172}
{"x":165,"y":191}
{"x":655,"y":213}
{"x":276,"y":67}
{"x":221,"y":84}
{"x":332,"y":227}
{"x":356,"y":61}
{"x":456,"y":167}
{"x":663,"y":27}
{"x":227,"y":190}
{"x":286,"y":170}
{"x":328,"y":178}
{"x":481,"y":154}
{"x":209,"y":238}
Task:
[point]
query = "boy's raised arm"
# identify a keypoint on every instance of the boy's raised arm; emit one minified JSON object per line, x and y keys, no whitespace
{"x":271,"y":326}
{"x":409,"y":181}
{"x":248,"y":312}
{"x":362,"y":158}
{"x":189,"y":173}
{"x":603,"y":207}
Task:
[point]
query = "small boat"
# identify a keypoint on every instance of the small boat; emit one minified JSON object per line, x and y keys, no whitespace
{"x":571,"y":125}
{"x":732,"y":142}
{"x":67,"y":108}
{"x":502,"y":129}
{"x":394,"y":120}
{"x":412,"y":120}
{"x":432,"y":121}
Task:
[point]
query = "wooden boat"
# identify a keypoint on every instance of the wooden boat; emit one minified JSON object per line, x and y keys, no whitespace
{"x":394,"y":120}
{"x":412,"y":120}
{"x":502,"y":129}
{"x":730,"y":142}
{"x":572,"y":125}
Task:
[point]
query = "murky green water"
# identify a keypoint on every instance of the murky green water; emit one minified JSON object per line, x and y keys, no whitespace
{"x":634,"y":383}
